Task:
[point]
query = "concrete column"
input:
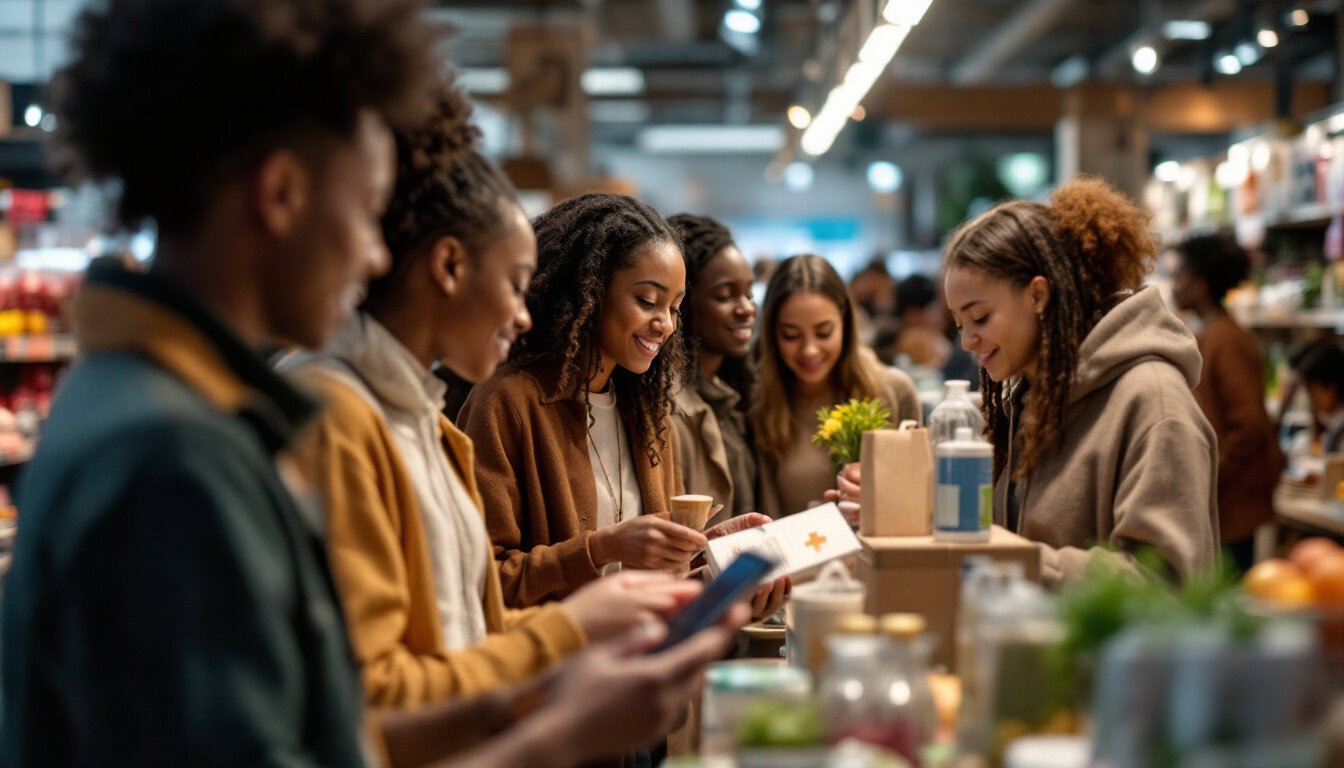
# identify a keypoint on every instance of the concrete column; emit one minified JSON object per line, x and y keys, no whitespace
{"x":1102,"y":133}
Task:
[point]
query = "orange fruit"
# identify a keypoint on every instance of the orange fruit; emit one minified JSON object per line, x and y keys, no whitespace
{"x":1327,"y":579}
{"x":1307,"y":552}
{"x":1279,"y":582}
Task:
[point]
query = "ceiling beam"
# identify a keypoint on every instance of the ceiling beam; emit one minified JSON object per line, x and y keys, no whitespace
{"x":1183,"y":108}
{"x":1023,"y":27}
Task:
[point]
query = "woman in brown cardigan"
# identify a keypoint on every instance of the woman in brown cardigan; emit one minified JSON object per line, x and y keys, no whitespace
{"x":1230,"y":391}
{"x":575,"y":456}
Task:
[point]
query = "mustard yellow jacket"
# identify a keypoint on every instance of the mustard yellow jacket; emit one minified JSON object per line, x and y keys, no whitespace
{"x":380,"y":560}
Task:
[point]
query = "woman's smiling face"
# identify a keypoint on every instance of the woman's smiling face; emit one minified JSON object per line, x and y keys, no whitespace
{"x":642,"y":306}
{"x":999,"y":321}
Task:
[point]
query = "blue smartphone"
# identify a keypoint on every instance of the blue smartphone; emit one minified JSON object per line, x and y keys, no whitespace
{"x":741,"y":577}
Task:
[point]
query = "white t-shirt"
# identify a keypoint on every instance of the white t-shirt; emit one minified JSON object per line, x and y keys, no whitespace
{"x":609,"y":449}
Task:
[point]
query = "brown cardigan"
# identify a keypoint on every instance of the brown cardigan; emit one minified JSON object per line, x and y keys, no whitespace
{"x":535,"y":477}
{"x":1231,"y":395}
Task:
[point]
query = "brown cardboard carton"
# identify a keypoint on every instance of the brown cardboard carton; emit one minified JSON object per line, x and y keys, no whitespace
{"x":915,"y":574}
{"x":896,"y":498}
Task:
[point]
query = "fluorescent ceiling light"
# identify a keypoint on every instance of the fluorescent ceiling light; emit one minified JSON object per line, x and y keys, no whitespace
{"x":908,"y":12}
{"x":484,"y":79}
{"x":1227,"y":64}
{"x":693,"y":139}
{"x":612,"y":81}
{"x":618,"y":111}
{"x":883,"y":42}
{"x":1187,"y":29}
{"x":1145,"y":60}
{"x":742,"y":21}
{"x":32,"y":115}
{"x":1299,"y":17}
{"x":750,"y":5}
{"x":1248,"y":53}
{"x":1267,"y":38}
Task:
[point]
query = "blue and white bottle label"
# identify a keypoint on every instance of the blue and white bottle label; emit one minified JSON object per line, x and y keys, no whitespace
{"x":963,"y":498}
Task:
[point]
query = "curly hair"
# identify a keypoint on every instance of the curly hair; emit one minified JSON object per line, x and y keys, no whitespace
{"x":1091,"y":244}
{"x":855,"y":371}
{"x":1218,"y":261}
{"x":445,"y":187}
{"x":702,"y":239}
{"x":580,"y":244}
{"x":171,"y":98}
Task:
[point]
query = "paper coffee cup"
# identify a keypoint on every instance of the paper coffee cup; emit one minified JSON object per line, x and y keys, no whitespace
{"x":691,"y":510}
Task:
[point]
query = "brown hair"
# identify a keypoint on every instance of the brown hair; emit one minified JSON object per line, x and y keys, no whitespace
{"x":1090,"y":244}
{"x":854,"y":374}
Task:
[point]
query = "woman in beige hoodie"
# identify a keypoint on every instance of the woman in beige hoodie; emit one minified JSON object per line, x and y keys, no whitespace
{"x":1099,"y":444}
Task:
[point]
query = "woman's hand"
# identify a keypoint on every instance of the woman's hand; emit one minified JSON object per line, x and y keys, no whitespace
{"x":618,"y":603}
{"x":848,"y":484}
{"x":771,"y":597}
{"x":647,"y":542}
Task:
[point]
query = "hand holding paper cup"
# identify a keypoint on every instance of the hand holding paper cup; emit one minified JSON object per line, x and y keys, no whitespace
{"x":691,"y":510}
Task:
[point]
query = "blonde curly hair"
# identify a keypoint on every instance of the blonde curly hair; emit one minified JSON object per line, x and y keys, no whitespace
{"x":1091,"y":244}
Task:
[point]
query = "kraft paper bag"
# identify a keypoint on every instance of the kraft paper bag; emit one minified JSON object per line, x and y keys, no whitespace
{"x":897,"y":491}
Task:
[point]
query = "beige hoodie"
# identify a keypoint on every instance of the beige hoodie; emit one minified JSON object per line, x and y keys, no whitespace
{"x":1137,"y":462}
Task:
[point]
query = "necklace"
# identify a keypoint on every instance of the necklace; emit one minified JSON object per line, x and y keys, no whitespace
{"x":617,"y":502}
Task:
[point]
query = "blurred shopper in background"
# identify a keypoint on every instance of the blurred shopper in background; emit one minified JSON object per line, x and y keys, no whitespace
{"x":1231,"y":391}
{"x":1087,"y":383}
{"x":1321,"y":371}
{"x":408,"y":546}
{"x":716,"y":457}
{"x":922,"y":337}
{"x":808,"y":356}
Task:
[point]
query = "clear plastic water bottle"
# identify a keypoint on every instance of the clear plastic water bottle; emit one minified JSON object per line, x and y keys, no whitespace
{"x":963,"y":497}
{"x":956,"y":410}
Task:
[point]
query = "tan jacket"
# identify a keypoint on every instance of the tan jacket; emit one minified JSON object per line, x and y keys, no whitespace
{"x":896,"y":391}
{"x":1232,"y":395}
{"x":1136,"y":464}
{"x":382,"y":569}
{"x":715,"y":457}
{"x":535,"y":476}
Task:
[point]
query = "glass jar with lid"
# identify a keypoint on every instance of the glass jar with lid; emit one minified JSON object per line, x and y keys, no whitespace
{"x":856,"y":696}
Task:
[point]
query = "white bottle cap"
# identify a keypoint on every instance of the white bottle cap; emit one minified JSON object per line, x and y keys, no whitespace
{"x":965,"y":435}
{"x":958,"y":386}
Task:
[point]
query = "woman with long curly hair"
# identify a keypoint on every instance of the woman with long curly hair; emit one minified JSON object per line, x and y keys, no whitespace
{"x":576,"y":458}
{"x":809,"y":356}
{"x":1087,"y":381}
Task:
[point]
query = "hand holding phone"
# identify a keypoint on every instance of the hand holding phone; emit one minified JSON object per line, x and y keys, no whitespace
{"x":740,"y":578}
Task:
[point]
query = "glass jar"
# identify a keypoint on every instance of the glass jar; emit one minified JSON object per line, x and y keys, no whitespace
{"x":909,"y":687}
{"x":856,"y":696}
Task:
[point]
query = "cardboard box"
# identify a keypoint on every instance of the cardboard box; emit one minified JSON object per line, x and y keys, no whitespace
{"x":801,"y":542}
{"x":915,"y":574}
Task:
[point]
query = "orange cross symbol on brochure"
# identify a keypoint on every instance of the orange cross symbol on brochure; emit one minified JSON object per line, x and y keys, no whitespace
{"x":814,"y":541}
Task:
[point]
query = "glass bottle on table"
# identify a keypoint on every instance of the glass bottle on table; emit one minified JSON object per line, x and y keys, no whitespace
{"x":855,"y":696}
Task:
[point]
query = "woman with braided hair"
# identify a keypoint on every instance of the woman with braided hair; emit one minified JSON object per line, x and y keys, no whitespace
{"x":1087,"y":381}
{"x":406,"y":538}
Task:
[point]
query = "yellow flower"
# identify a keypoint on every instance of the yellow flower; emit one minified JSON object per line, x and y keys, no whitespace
{"x":828,"y":429}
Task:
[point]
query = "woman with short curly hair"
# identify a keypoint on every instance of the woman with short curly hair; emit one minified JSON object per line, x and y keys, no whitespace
{"x":575,"y":454}
{"x":1086,"y":378}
